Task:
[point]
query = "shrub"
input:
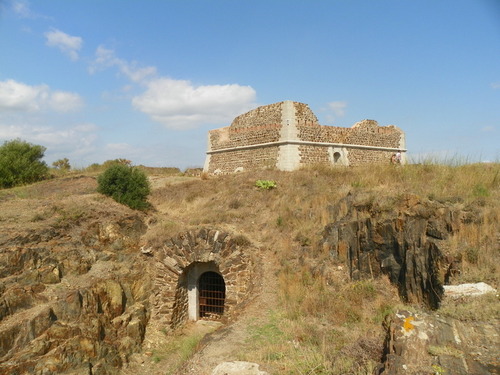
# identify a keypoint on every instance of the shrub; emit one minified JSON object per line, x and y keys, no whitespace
{"x":109,"y":163}
{"x":20,"y":163}
{"x":126,"y":185}
{"x":62,"y":164}
{"x":265,"y":184}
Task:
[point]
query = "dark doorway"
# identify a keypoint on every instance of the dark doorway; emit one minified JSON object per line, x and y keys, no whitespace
{"x":336,"y":157}
{"x":212,"y":294}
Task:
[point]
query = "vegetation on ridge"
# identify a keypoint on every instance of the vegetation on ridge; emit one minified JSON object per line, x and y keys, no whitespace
{"x":126,"y":185}
{"x":21,"y":163}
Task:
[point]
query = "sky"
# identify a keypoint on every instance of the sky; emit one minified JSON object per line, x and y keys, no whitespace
{"x":145,"y":80}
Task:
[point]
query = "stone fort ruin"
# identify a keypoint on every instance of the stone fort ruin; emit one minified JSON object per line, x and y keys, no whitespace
{"x":287,"y":136}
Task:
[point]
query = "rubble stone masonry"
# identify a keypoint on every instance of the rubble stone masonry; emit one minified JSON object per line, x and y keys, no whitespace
{"x":180,"y":262}
{"x":287,"y":135}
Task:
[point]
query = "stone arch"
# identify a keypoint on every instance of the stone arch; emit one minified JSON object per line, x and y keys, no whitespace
{"x":181,"y":261}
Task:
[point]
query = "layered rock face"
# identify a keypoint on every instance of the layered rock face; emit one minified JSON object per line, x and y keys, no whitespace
{"x":399,"y":237}
{"x":73,"y":291}
{"x":419,"y":342}
{"x":404,"y":238}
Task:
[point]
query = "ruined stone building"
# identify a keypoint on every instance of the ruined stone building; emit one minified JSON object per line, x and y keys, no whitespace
{"x":287,"y":136}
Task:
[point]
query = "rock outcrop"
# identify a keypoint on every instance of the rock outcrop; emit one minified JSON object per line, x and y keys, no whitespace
{"x":422,"y":343}
{"x":399,"y":237}
{"x":73,"y":291}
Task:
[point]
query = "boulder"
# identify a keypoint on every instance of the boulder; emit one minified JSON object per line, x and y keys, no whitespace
{"x":238,"y":368}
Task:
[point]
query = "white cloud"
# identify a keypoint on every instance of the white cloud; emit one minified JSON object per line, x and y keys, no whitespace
{"x":17,"y":96}
{"x":495,"y":85}
{"x":488,"y":129}
{"x":178,"y":104}
{"x":335,"y":110}
{"x":118,"y":146}
{"x":338,"y":108}
{"x":62,"y":101}
{"x":106,"y":58}
{"x":68,"y":141}
{"x":69,"y":45}
{"x":22,"y":9}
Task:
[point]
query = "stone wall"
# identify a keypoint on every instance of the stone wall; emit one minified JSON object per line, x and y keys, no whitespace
{"x":219,"y":251}
{"x":314,"y":155}
{"x":239,"y":160}
{"x":180,"y":307}
{"x":321,"y":133}
{"x":386,"y":136}
{"x":380,"y":136}
{"x":286,"y":134}
{"x":361,"y":157}
{"x":268,"y":114}
{"x":235,"y":137}
{"x":304,"y":115}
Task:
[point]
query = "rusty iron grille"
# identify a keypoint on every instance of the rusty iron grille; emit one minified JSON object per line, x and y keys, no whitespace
{"x":212,"y":291}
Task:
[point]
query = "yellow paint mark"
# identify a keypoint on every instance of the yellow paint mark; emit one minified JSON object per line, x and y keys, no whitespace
{"x":407,"y":324}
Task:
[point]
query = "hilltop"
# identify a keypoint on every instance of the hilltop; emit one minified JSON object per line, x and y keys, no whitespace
{"x":79,"y":271}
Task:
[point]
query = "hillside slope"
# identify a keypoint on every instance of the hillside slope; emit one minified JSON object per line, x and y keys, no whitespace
{"x":78,"y":272}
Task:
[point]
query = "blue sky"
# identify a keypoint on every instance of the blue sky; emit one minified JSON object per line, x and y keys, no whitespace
{"x":94,"y":80}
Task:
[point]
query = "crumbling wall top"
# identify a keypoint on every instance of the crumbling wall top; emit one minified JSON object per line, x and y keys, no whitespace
{"x":273,"y":114}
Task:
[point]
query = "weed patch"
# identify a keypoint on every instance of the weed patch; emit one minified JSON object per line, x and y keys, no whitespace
{"x":265,"y":184}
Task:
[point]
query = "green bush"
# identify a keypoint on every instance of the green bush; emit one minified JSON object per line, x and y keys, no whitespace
{"x":126,"y":185}
{"x":265,"y":184}
{"x":20,"y":163}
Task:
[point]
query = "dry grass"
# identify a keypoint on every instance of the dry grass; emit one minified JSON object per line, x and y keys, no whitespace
{"x":325,"y":324}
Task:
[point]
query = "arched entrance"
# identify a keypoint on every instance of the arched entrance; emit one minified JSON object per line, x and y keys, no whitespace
{"x":206,"y":291}
{"x":336,"y":157}
{"x":179,"y":266}
{"x":212,"y":295}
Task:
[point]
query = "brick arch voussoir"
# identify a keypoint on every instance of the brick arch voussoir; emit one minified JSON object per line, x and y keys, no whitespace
{"x":203,"y":245}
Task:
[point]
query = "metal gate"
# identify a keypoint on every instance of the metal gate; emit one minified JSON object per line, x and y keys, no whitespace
{"x":212,"y":294}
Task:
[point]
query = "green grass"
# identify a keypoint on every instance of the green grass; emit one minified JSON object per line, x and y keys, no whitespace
{"x":176,"y":351}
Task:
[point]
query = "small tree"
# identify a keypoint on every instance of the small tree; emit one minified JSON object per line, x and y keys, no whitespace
{"x":126,"y":185}
{"x":20,"y":163}
{"x":62,"y":164}
{"x":122,"y":161}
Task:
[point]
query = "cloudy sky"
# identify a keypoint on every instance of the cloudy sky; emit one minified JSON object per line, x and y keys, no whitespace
{"x":145,"y":80}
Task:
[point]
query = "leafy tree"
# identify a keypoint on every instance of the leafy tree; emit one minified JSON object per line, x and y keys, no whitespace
{"x":62,"y":164}
{"x":20,"y":163}
{"x":126,"y":185}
